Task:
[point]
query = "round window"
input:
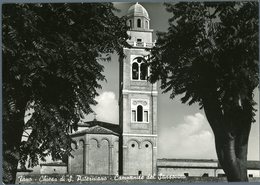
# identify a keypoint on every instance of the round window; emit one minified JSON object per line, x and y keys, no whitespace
{"x":133,"y":145}
{"x":146,"y":145}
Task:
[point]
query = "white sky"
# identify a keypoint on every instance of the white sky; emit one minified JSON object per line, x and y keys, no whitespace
{"x":183,"y":131}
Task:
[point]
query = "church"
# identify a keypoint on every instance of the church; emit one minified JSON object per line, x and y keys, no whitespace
{"x":130,"y":147}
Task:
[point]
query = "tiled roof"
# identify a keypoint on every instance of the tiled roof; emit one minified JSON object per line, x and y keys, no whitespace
{"x":187,"y":160}
{"x":23,"y":170}
{"x":113,"y":127}
{"x":95,"y":130}
{"x":253,"y":165}
{"x":54,"y":164}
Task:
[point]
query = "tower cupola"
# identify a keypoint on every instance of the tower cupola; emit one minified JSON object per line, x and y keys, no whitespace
{"x":137,"y":10}
{"x":139,"y":22}
{"x":138,"y":18}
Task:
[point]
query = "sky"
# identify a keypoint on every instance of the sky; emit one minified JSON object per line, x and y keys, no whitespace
{"x":183,"y":131}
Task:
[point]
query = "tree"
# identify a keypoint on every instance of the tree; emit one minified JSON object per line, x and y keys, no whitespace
{"x":52,"y":56}
{"x":210,"y":55}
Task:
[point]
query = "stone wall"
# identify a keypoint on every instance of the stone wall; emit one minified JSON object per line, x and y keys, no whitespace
{"x":193,"y":172}
{"x":76,"y":163}
{"x":95,"y":154}
{"x":46,"y":169}
{"x":194,"y":168}
{"x":139,"y":155}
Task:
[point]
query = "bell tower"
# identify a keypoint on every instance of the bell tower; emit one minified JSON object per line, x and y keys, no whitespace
{"x":137,"y":99}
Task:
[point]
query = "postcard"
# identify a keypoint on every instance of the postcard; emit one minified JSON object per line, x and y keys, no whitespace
{"x":141,"y":92}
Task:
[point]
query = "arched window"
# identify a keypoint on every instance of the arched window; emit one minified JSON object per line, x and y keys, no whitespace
{"x":140,"y":110}
{"x":139,"y":69}
{"x":81,"y":144}
{"x":143,"y":71}
{"x":139,"y":113}
{"x":135,"y":71}
{"x":138,"y":23}
{"x":130,"y":23}
{"x":146,"y":25}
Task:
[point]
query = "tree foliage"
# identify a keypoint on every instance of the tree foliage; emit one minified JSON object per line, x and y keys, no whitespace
{"x":209,"y":46}
{"x":210,"y":55}
{"x":52,"y":56}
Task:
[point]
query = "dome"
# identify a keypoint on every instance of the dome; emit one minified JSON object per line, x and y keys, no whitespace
{"x":137,"y":10}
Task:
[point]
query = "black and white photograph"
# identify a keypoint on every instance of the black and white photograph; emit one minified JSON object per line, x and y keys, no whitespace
{"x":130,"y":92}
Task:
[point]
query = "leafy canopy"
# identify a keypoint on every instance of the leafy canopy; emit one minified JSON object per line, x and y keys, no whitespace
{"x":210,"y":50}
{"x":52,"y":57}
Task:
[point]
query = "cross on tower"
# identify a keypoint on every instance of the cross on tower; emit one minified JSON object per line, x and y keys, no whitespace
{"x":95,"y":116}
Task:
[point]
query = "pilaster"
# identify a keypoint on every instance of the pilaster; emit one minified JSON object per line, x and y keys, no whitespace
{"x":110,"y":158}
{"x":86,"y":158}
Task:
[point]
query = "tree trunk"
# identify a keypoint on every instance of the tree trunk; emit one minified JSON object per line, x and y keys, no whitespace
{"x":241,"y":147}
{"x":231,"y":140}
{"x":12,"y":135}
{"x":233,"y":150}
{"x":229,"y":162}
